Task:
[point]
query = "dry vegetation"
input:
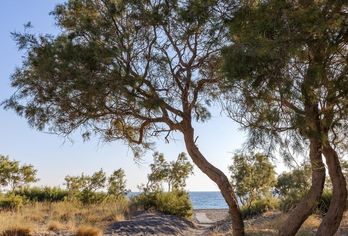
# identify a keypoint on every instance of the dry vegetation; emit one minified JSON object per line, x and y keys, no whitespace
{"x":269,"y":222}
{"x":88,"y":220}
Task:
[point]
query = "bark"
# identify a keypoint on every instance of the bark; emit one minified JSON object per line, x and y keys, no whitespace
{"x":305,"y":208}
{"x":218,"y":177}
{"x":333,"y":217}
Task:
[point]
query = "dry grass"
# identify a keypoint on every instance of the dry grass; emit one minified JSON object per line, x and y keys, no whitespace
{"x":17,"y":231}
{"x":312,"y":222}
{"x":55,"y":226}
{"x":88,"y":231}
{"x":43,"y":217}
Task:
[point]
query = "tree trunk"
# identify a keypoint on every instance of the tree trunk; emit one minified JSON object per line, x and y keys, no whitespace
{"x":218,"y":177}
{"x":333,"y":217}
{"x":305,"y":208}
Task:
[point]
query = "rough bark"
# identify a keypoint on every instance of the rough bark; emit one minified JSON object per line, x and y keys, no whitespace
{"x":218,"y":177}
{"x":333,"y":217}
{"x":305,"y":208}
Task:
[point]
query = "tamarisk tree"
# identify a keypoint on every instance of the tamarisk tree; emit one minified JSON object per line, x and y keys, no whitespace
{"x":287,"y":74}
{"x":129,"y":70}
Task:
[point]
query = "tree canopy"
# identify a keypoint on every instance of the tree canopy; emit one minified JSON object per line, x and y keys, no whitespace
{"x":127,"y":70}
{"x":253,"y":176}
{"x":174,"y":174}
{"x":13,"y":175}
{"x":286,"y":74}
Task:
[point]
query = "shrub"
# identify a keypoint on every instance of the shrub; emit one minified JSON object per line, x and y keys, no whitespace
{"x":16,"y":231}
{"x":324,"y":202}
{"x":290,"y":201}
{"x":88,"y":231}
{"x":173,"y":203}
{"x":43,"y":194}
{"x":258,"y":207}
{"x":11,"y":202}
{"x":90,"y":197}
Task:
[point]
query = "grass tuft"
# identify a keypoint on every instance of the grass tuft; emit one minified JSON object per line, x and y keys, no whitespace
{"x":88,"y":231}
{"x":17,"y":231}
{"x":55,"y":226}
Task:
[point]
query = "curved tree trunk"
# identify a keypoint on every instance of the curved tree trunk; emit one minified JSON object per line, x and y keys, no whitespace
{"x":218,"y":177}
{"x":333,"y":217}
{"x":305,"y":208}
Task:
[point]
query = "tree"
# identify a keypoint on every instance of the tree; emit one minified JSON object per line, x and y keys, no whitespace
{"x":129,"y":70}
{"x":179,"y":172}
{"x":85,"y":187}
{"x":292,"y":186}
{"x":174,"y":173}
{"x":253,"y":177}
{"x":117,"y":184}
{"x":13,"y":175}
{"x":297,"y":180}
{"x":287,"y":74}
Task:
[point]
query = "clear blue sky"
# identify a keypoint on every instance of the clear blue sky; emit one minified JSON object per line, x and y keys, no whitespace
{"x":55,"y":157}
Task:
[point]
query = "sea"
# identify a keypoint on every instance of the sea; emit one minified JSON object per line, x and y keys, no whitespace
{"x":204,"y":200}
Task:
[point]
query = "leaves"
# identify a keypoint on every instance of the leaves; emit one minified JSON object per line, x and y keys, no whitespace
{"x":174,"y":173}
{"x":253,"y":177}
{"x":13,"y":175}
{"x":282,"y":71}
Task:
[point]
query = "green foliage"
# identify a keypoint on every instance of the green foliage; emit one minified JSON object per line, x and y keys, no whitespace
{"x":259,"y":206}
{"x":11,"y":202}
{"x":290,"y":200}
{"x":173,"y":203}
{"x":84,"y":188}
{"x":173,"y":174}
{"x":13,"y":175}
{"x":324,"y":202}
{"x":42,"y":194}
{"x":296,"y":181}
{"x":117,"y":184}
{"x":292,"y":186}
{"x":88,"y":189}
{"x":253,"y":177}
{"x":125,"y":80}
{"x":286,"y":59}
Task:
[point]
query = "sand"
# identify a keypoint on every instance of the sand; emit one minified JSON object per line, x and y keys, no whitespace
{"x":161,"y":224}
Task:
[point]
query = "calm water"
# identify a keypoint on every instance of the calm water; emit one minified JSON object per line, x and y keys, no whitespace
{"x":204,"y":200}
{"x":207,"y":200}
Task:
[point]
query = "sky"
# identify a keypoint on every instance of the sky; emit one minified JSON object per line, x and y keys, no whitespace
{"x":56,"y":157}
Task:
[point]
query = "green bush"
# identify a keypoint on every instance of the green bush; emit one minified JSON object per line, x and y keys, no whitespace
{"x":43,"y":194}
{"x":258,"y":207}
{"x":324,"y":202}
{"x":11,"y":202}
{"x":290,"y":201}
{"x":173,"y":203}
{"x":89,"y":197}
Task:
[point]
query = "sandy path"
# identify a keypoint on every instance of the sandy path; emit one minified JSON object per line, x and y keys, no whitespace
{"x":161,"y":224}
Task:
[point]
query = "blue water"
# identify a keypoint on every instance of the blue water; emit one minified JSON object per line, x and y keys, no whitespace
{"x":207,"y":200}
{"x":203,"y":200}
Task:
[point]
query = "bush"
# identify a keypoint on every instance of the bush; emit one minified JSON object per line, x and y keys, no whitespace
{"x":11,"y":202}
{"x":324,"y":202}
{"x":173,"y":203}
{"x":258,"y":207}
{"x":90,"y":197}
{"x":45,"y":194}
{"x":290,"y":201}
